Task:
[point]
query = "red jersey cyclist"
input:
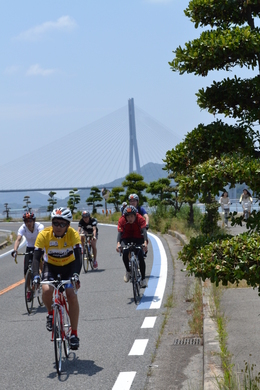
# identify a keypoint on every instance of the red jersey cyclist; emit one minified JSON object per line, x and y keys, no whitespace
{"x":132,"y":229}
{"x":62,"y":246}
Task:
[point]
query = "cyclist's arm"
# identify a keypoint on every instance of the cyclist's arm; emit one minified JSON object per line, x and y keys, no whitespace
{"x":17,"y":242}
{"x":77,"y":264}
{"x":144,"y":234}
{"x":146,"y":217}
{"x":37,"y":255}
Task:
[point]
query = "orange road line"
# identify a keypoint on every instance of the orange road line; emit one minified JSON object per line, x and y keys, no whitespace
{"x":11,"y":287}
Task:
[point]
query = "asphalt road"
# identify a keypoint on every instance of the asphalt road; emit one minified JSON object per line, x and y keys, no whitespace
{"x":117,"y":338}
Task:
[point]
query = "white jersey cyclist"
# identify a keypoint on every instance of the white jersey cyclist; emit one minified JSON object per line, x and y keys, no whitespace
{"x":30,"y":236}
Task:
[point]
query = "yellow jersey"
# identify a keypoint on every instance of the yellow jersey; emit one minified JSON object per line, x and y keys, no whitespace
{"x":58,"y":251}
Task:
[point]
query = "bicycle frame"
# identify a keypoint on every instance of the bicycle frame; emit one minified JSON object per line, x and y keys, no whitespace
{"x":28,"y":284}
{"x":134,"y":269}
{"x":61,"y":327}
{"x":87,"y":257}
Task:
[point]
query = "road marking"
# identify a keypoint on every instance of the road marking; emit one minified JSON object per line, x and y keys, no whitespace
{"x":153,"y":294}
{"x":5,"y":290}
{"x":138,"y":347}
{"x":149,"y":322}
{"x":124,"y":380}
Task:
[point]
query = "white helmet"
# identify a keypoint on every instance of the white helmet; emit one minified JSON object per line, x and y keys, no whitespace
{"x":63,"y":213}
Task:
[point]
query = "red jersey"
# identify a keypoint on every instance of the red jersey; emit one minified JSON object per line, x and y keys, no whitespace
{"x":131,"y":230}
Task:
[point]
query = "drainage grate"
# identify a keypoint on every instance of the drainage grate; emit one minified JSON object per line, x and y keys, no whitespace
{"x":187,"y":341}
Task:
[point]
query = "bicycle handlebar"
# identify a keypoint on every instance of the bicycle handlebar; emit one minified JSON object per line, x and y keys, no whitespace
{"x":57,"y":284}
{"x":21,"y":254}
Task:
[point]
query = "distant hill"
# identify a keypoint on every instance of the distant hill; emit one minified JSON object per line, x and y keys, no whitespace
{"x":150,"y":172}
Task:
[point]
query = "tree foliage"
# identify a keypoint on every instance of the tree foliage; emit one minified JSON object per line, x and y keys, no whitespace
{"x":134,"y":183}
{"x":95,"y":196}
{"x":219,"y":155}
{"x":115,"y":197}
{"x":74,"y":199}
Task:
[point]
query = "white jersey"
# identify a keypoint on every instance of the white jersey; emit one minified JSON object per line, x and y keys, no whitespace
{"x":30,"y":236}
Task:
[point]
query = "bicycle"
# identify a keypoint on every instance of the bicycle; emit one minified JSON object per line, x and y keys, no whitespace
{"x":134,"y":269}
{"x":87,"y":255}
{"x":29,"y":292}
{"x":61,"y":327}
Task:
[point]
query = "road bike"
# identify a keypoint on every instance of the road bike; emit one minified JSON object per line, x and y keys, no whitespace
{"x":61,"y":327}
{"x":226,"y":212}
{"x":134,"y":269}
{"x":29,"y":291}
{"x":87,"y":255}
{"x":246,"y":210}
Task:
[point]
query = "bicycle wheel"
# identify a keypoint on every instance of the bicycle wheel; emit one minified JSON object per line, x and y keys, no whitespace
{"x":28,"y":292}
{"x":90,"y":257}
{"x":135,"y":281}
{"x":39,"y":296}
{"x":57,"y":338}
{"x":67,"y":332}
{"x":85,"y":259}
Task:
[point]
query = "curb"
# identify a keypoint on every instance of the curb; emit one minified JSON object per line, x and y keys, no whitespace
{"x":212,"y":371}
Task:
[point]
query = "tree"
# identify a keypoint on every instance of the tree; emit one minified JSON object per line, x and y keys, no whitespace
{"x":74,"y":199}
{"x":134,"y":184}
{"x":206,"y":165}
{"x":52,"y":201}
{"x":94,"y":198}
{"x":27,"y":201}
{"x":7,"y":211}
{"x":115,"y":197}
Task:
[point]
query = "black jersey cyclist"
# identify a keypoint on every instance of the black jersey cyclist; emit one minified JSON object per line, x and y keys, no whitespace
{"x":89,"y":225}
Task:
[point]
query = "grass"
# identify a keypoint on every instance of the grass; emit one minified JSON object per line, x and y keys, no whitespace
{"x":247,"y":380}
{"x":196,"y":322}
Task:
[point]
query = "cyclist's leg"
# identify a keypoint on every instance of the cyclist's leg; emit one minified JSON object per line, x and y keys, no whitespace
{"x":73,"y":303}
{"x":47,"y":293}
{"x":27,"y":258}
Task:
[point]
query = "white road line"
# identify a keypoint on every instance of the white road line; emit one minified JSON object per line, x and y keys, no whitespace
{"x":138,"y":347}
{"x":124,"y":380}
{"x":149,"y":322}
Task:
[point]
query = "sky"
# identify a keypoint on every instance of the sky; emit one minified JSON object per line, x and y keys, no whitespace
{"x":65,"y":64}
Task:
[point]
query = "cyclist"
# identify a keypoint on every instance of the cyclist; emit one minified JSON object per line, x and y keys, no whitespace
{"x":29,"y":229}
{"x":132,"y":228}
{"x":124,"y":204}
{"x":89,"y":225}
{"x":134,"y":201}
{"x":62,"y":246}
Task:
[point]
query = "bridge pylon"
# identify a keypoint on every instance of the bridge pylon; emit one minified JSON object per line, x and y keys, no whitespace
{"x":133,"y":148}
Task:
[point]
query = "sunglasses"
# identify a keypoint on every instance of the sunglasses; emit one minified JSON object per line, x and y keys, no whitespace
{"x":61,"y":224}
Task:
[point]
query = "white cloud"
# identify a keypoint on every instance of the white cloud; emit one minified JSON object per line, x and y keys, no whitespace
{"x":11,"y":69}
{"x":62,"y":24}
{"x":36,"y":70}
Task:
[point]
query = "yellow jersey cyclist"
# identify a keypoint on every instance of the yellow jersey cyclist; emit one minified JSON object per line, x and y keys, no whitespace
{"x":62,"y":256}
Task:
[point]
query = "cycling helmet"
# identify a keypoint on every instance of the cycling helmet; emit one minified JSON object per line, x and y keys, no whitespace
{"x":62,"y":213}
{"x":85,"y":214}
{"x":129,"y":210}
{"x":28,"y":215}
{"x":133,"y":196}
{"x":124,"y":204}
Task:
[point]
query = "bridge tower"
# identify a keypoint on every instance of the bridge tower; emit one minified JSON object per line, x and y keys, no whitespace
{"x":133,"y":148}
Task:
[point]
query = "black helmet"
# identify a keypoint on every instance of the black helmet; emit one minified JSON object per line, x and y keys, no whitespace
{"x":28,"y":215}
{"x":85,"y":214}
{"x":129,"y":210}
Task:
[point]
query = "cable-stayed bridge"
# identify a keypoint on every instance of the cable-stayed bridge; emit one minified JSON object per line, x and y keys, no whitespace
{"x":94,"y":155}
